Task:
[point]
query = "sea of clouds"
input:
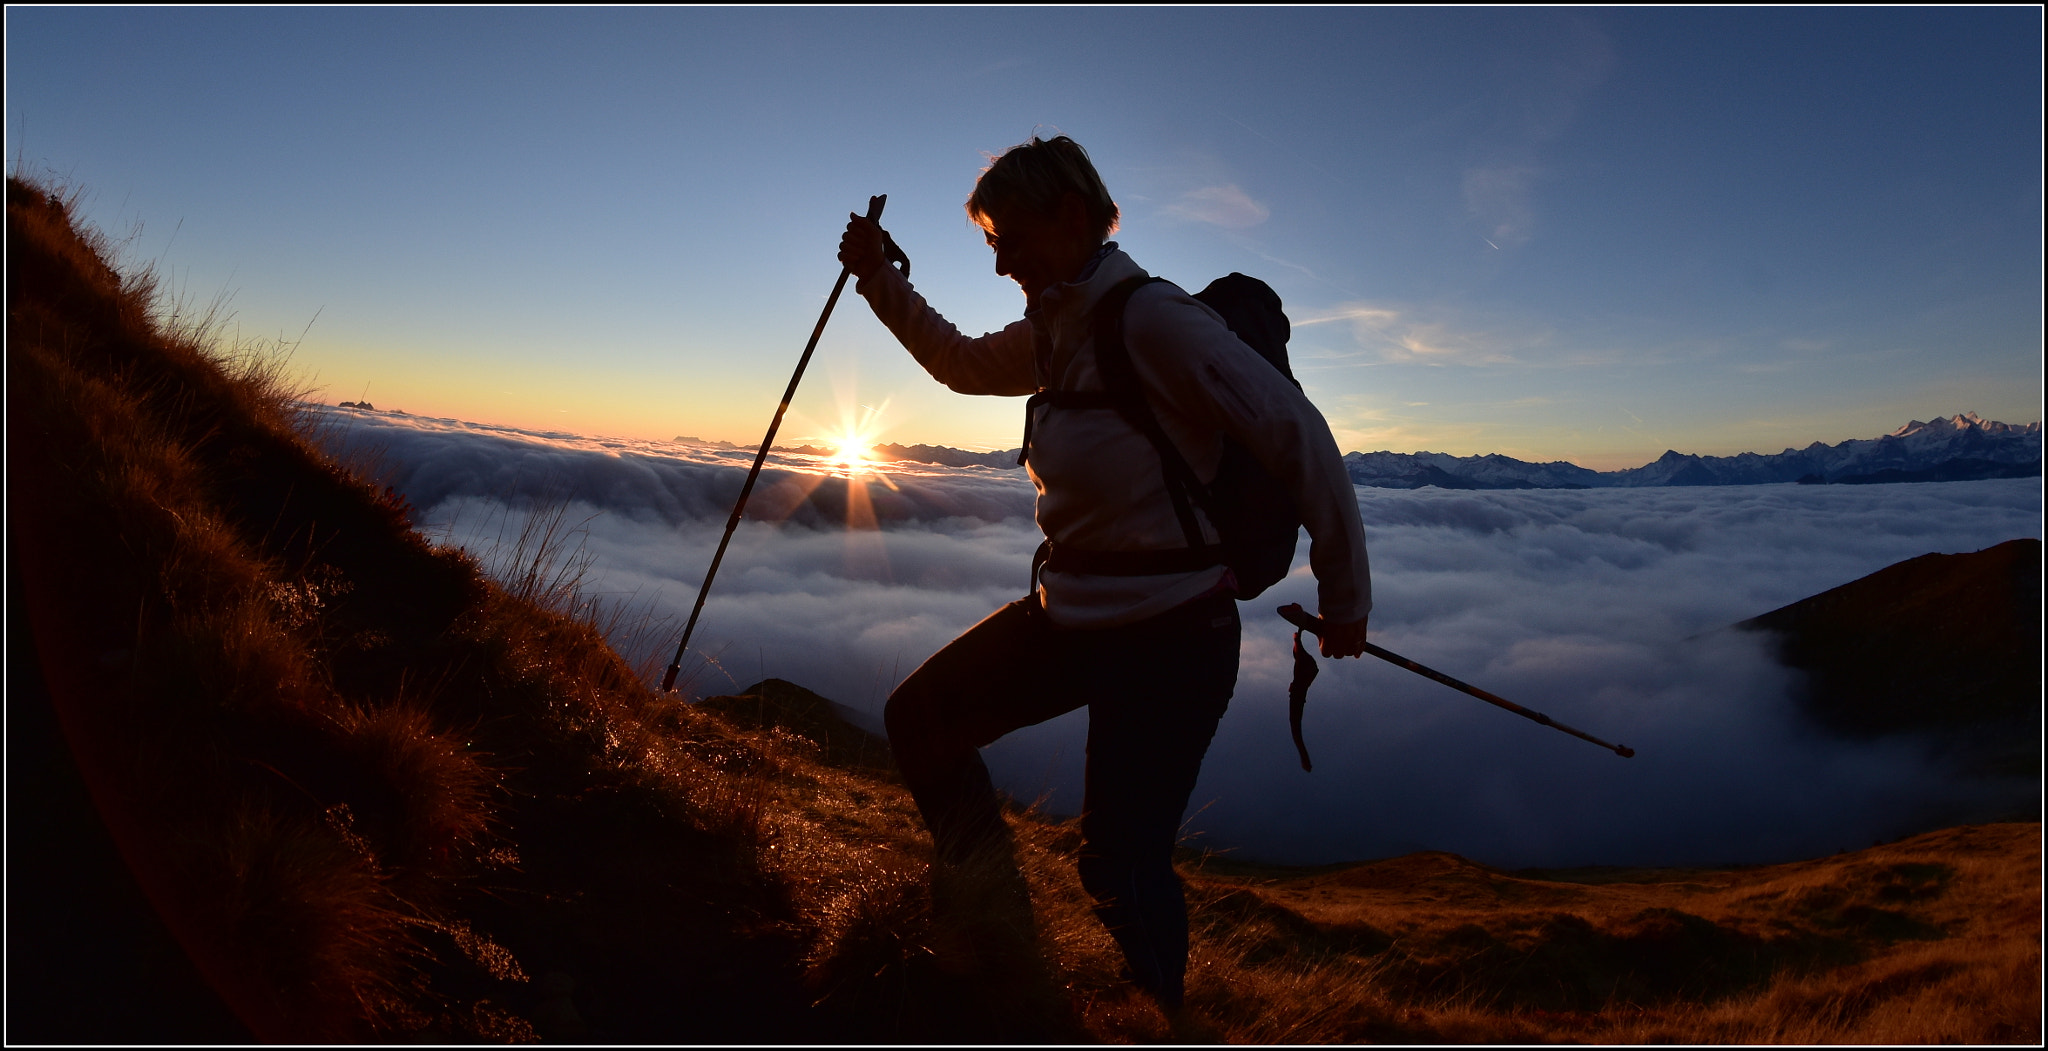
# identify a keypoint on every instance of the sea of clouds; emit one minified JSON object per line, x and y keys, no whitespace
{"x":1606,"y":609}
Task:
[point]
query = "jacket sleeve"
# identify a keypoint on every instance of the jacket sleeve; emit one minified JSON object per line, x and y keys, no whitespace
{"x":995,"y":363}
{"x":1205,"y":375}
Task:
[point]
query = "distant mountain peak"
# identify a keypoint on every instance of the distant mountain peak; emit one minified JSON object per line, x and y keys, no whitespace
{"x":1965,"y":422}
{"x":1959,"y":448}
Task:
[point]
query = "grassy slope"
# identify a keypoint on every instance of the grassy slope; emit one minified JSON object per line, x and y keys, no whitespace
{"x":1935,"y":938}
{"x":377,"y":796}
{"x":322,"y":744}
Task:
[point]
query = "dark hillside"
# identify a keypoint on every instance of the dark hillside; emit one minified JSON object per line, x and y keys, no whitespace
{"x":370,"y":792}
{"x":1943,"y":644}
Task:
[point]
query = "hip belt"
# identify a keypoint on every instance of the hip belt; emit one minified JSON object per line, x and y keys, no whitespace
{"x":1062,"y":558}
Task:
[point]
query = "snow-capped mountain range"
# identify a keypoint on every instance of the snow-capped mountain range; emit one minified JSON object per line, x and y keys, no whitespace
{"x":1953,"y":449}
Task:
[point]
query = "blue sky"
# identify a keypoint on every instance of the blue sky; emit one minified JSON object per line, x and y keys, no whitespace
{"x":1559,"y":234}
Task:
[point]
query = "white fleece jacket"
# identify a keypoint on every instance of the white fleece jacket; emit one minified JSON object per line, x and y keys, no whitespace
{"x":1100,"y":485}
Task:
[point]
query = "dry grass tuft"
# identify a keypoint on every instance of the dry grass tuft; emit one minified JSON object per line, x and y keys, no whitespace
{"x":310,"y":917}
{"x":442,"y":795}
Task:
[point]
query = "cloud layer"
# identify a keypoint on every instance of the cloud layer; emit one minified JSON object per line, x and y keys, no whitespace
{"x":435,"y":460}
{"x":1602,"y":608}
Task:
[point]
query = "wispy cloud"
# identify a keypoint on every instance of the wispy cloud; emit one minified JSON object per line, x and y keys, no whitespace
{"x":1354,"y":313}
{"x":1225,"y":206}
{"x":1500,"y":193}
{"x":1247,"y":245}
{"x":1499,"y":198}
{"x":1386,"y":335}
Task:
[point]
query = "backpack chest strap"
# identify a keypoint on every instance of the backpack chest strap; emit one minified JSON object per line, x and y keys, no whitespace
{"x":1061,"y":399}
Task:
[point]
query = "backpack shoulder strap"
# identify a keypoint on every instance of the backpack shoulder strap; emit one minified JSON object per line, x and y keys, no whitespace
{"x":1120,"y":378}
{"x":1112,"y":358}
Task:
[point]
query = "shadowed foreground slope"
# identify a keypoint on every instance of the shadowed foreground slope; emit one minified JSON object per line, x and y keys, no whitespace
{"x":376,"y":796}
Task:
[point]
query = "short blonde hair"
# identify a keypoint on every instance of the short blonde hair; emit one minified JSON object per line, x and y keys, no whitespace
{"x":1035,"y":177}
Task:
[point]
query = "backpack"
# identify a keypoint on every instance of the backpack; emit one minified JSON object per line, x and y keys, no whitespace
{"x":1252,"y":511}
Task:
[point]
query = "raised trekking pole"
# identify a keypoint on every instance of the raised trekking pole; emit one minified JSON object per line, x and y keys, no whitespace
{"x":1308,"y":622}
{"x":668,"y":680}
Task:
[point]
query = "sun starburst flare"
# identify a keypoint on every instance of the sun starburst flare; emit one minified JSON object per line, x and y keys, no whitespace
{"x":852,"y":453}
{"x":848,"y":458}
{"x":853,"y":444}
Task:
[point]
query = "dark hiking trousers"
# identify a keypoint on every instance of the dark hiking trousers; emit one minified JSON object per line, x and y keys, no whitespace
{"x":1154,"y":692}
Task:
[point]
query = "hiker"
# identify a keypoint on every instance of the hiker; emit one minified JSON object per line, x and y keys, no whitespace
{"x":1118,"y":619}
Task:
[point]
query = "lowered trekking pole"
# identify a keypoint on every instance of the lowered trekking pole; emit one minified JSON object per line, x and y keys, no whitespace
{"x":668,"y":680}
{"x":1302,"y":619}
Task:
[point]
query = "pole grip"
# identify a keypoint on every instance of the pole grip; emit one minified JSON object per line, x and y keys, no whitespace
{"x":1293,"y":614}
{"x":892,"y":253}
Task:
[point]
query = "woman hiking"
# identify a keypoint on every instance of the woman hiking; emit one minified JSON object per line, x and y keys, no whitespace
{"x":1128,"y":617}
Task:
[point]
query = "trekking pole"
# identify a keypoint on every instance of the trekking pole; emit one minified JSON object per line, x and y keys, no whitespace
{"x":1308,"y":622}
{"x":668,"y":680}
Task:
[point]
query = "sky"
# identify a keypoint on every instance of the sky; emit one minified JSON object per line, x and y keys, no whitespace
{"x":1607,"y":609}
{"x":1559,"y":234}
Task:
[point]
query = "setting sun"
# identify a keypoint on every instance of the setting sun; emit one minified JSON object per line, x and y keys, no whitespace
{"x":851,"y":452}
{"x":852,"y":442}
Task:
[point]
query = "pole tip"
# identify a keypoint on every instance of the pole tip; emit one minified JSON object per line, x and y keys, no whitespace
{"x":1624,"y":751}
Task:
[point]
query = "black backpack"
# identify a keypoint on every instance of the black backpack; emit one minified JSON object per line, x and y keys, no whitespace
{"x":1252,"y":510}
